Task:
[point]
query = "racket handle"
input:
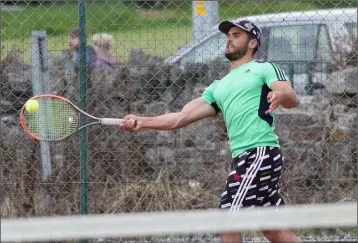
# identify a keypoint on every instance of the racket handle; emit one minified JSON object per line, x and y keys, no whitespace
{"x":111,"y":121}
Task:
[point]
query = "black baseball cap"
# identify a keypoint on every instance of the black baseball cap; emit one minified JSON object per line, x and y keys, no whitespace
{"x":246,"y":25}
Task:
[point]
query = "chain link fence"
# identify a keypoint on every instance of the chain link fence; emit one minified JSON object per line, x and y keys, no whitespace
{"x":147,"y":63}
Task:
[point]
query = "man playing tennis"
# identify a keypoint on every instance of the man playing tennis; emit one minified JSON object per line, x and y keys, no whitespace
{"x":247,"y":97}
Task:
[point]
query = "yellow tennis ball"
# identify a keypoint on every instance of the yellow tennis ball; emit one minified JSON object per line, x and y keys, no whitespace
{"x":32,"y":106}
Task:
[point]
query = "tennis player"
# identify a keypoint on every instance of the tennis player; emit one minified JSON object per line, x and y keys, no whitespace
{"x":247,"y":97}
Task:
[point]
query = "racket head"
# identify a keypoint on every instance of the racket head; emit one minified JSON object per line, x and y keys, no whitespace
{"x":55,"y":119}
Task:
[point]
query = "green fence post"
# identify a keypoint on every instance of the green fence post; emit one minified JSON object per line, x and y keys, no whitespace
{"x":83,"y":105}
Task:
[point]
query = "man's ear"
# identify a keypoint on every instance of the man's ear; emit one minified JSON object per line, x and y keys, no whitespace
{"x":253,"y":44}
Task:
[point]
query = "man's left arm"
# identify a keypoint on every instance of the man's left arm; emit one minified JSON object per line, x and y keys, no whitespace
{"x":282,"y":94}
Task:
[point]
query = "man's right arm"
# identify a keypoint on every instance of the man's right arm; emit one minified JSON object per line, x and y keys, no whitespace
{"x":191,"y":112}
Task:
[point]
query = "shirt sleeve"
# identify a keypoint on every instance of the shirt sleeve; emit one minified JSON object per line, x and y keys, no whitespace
{"x":208,"y":96}
{"x":272,"y":73}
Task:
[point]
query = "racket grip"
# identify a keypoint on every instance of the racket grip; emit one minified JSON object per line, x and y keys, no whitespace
{"x":111,"y":121}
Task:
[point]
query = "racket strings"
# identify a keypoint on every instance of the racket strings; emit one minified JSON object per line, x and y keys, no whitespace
{"x":55,"y":119}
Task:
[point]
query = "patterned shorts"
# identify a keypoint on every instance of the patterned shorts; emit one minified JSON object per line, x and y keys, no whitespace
{"x":254,"y":180}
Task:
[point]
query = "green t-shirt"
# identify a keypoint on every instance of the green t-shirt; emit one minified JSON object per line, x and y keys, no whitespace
{"x":241,"y":96}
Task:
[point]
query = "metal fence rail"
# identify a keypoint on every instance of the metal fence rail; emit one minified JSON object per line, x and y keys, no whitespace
{"x":159,"y":59}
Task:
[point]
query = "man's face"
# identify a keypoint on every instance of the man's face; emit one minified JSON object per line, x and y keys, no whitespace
{"x":237,"y":44}
{"x":74,"y":42}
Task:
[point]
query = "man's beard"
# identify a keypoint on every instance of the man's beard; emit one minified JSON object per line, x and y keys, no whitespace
{"x":237,"y":53}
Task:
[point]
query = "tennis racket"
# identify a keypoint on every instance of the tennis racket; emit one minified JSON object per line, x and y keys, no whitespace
{"x":57,"y":118}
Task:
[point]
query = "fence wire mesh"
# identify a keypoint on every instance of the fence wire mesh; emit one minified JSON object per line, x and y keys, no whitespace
{"x":144,"y":60}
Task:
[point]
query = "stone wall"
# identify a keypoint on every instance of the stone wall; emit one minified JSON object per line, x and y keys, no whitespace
{"x":165,"y":170}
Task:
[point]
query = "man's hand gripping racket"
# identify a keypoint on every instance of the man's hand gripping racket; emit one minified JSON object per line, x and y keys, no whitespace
{"x":57,"y":118}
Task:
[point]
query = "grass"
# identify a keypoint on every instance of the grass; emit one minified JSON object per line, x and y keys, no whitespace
{"x":58,"y":18}
{"x":156,"y":32}
{"x":162,"y":42}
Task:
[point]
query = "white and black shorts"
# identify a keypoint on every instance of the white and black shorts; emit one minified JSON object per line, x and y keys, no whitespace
{"x":254,"y":180}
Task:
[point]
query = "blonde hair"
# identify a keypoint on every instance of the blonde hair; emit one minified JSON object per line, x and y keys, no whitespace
{"x":103,"y":40}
